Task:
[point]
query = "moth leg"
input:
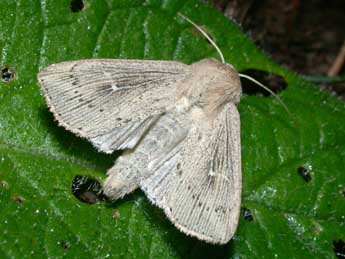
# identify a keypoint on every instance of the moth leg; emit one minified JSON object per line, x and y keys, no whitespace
{"x":123,"y":178}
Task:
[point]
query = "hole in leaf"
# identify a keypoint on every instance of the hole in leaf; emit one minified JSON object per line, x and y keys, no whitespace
{"x":7,"y":74}
{"x":274,"y":82}
{"x":339,"y":248}
{"x":304,"y":173}
{"x":247,"y":214}
{"x":87,"y":189}
{"x":76,"y":5}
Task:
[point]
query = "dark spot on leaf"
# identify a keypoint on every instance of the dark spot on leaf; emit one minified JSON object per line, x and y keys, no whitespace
{"x":87,"y":189}
{"x":179,"y":172}
{"x":101,"y":110}
{"x":7,"y":74}
{"x":80,"y":128}
{"x":193,"y":196}
{"x":116,"y":214}
{"x":91,"y":105}
{"x":80,"y":100}
{"x":274,"y":82}
{"x":75,"y":83}
{"x":339,"y":248}
{"x":302,"y":171}
{"x":76,"y":5}
{"x":65,"y":245}
{"x":18,"y":199}
{"x":118,"y":119}
{"x":188,"y":187}
{"x":200,"y":204}
{"x":200,"y":137}
{"x":71,"y":76}
{"x":207,"y":208}
{"x":247,"y":214}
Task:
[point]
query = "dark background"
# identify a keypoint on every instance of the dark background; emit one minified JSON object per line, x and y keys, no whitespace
{"x":303,"y":35}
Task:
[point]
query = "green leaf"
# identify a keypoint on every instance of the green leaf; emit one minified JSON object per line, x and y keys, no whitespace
{"x":40,"y":217}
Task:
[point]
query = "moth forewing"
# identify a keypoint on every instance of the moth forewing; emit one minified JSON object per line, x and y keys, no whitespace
{"x":198,"y":180}
{"x":110,"y":102}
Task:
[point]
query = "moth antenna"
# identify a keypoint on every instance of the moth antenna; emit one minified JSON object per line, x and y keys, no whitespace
{"x":268,"y":90}
{"x":206,"y":36}
{"x":223,"y":61}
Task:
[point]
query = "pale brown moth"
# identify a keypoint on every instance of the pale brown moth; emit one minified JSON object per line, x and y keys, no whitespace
{"x":178,"y":124}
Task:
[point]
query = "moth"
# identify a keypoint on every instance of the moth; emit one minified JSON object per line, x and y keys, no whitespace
{"x":179,"y":127}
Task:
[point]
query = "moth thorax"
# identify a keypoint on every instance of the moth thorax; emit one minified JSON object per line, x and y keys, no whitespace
{"x":215,"y":84}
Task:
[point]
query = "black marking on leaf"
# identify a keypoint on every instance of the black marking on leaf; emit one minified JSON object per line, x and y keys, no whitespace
{"x":7,"y":74}
{"x":304,"y":173}
{"x":76,"y":5}
{"x":87,"y":189}
{"x":274,"y":82}
{"x":339,"y":248}
{"x":247,"y":214}
{"x":65,"y":245}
